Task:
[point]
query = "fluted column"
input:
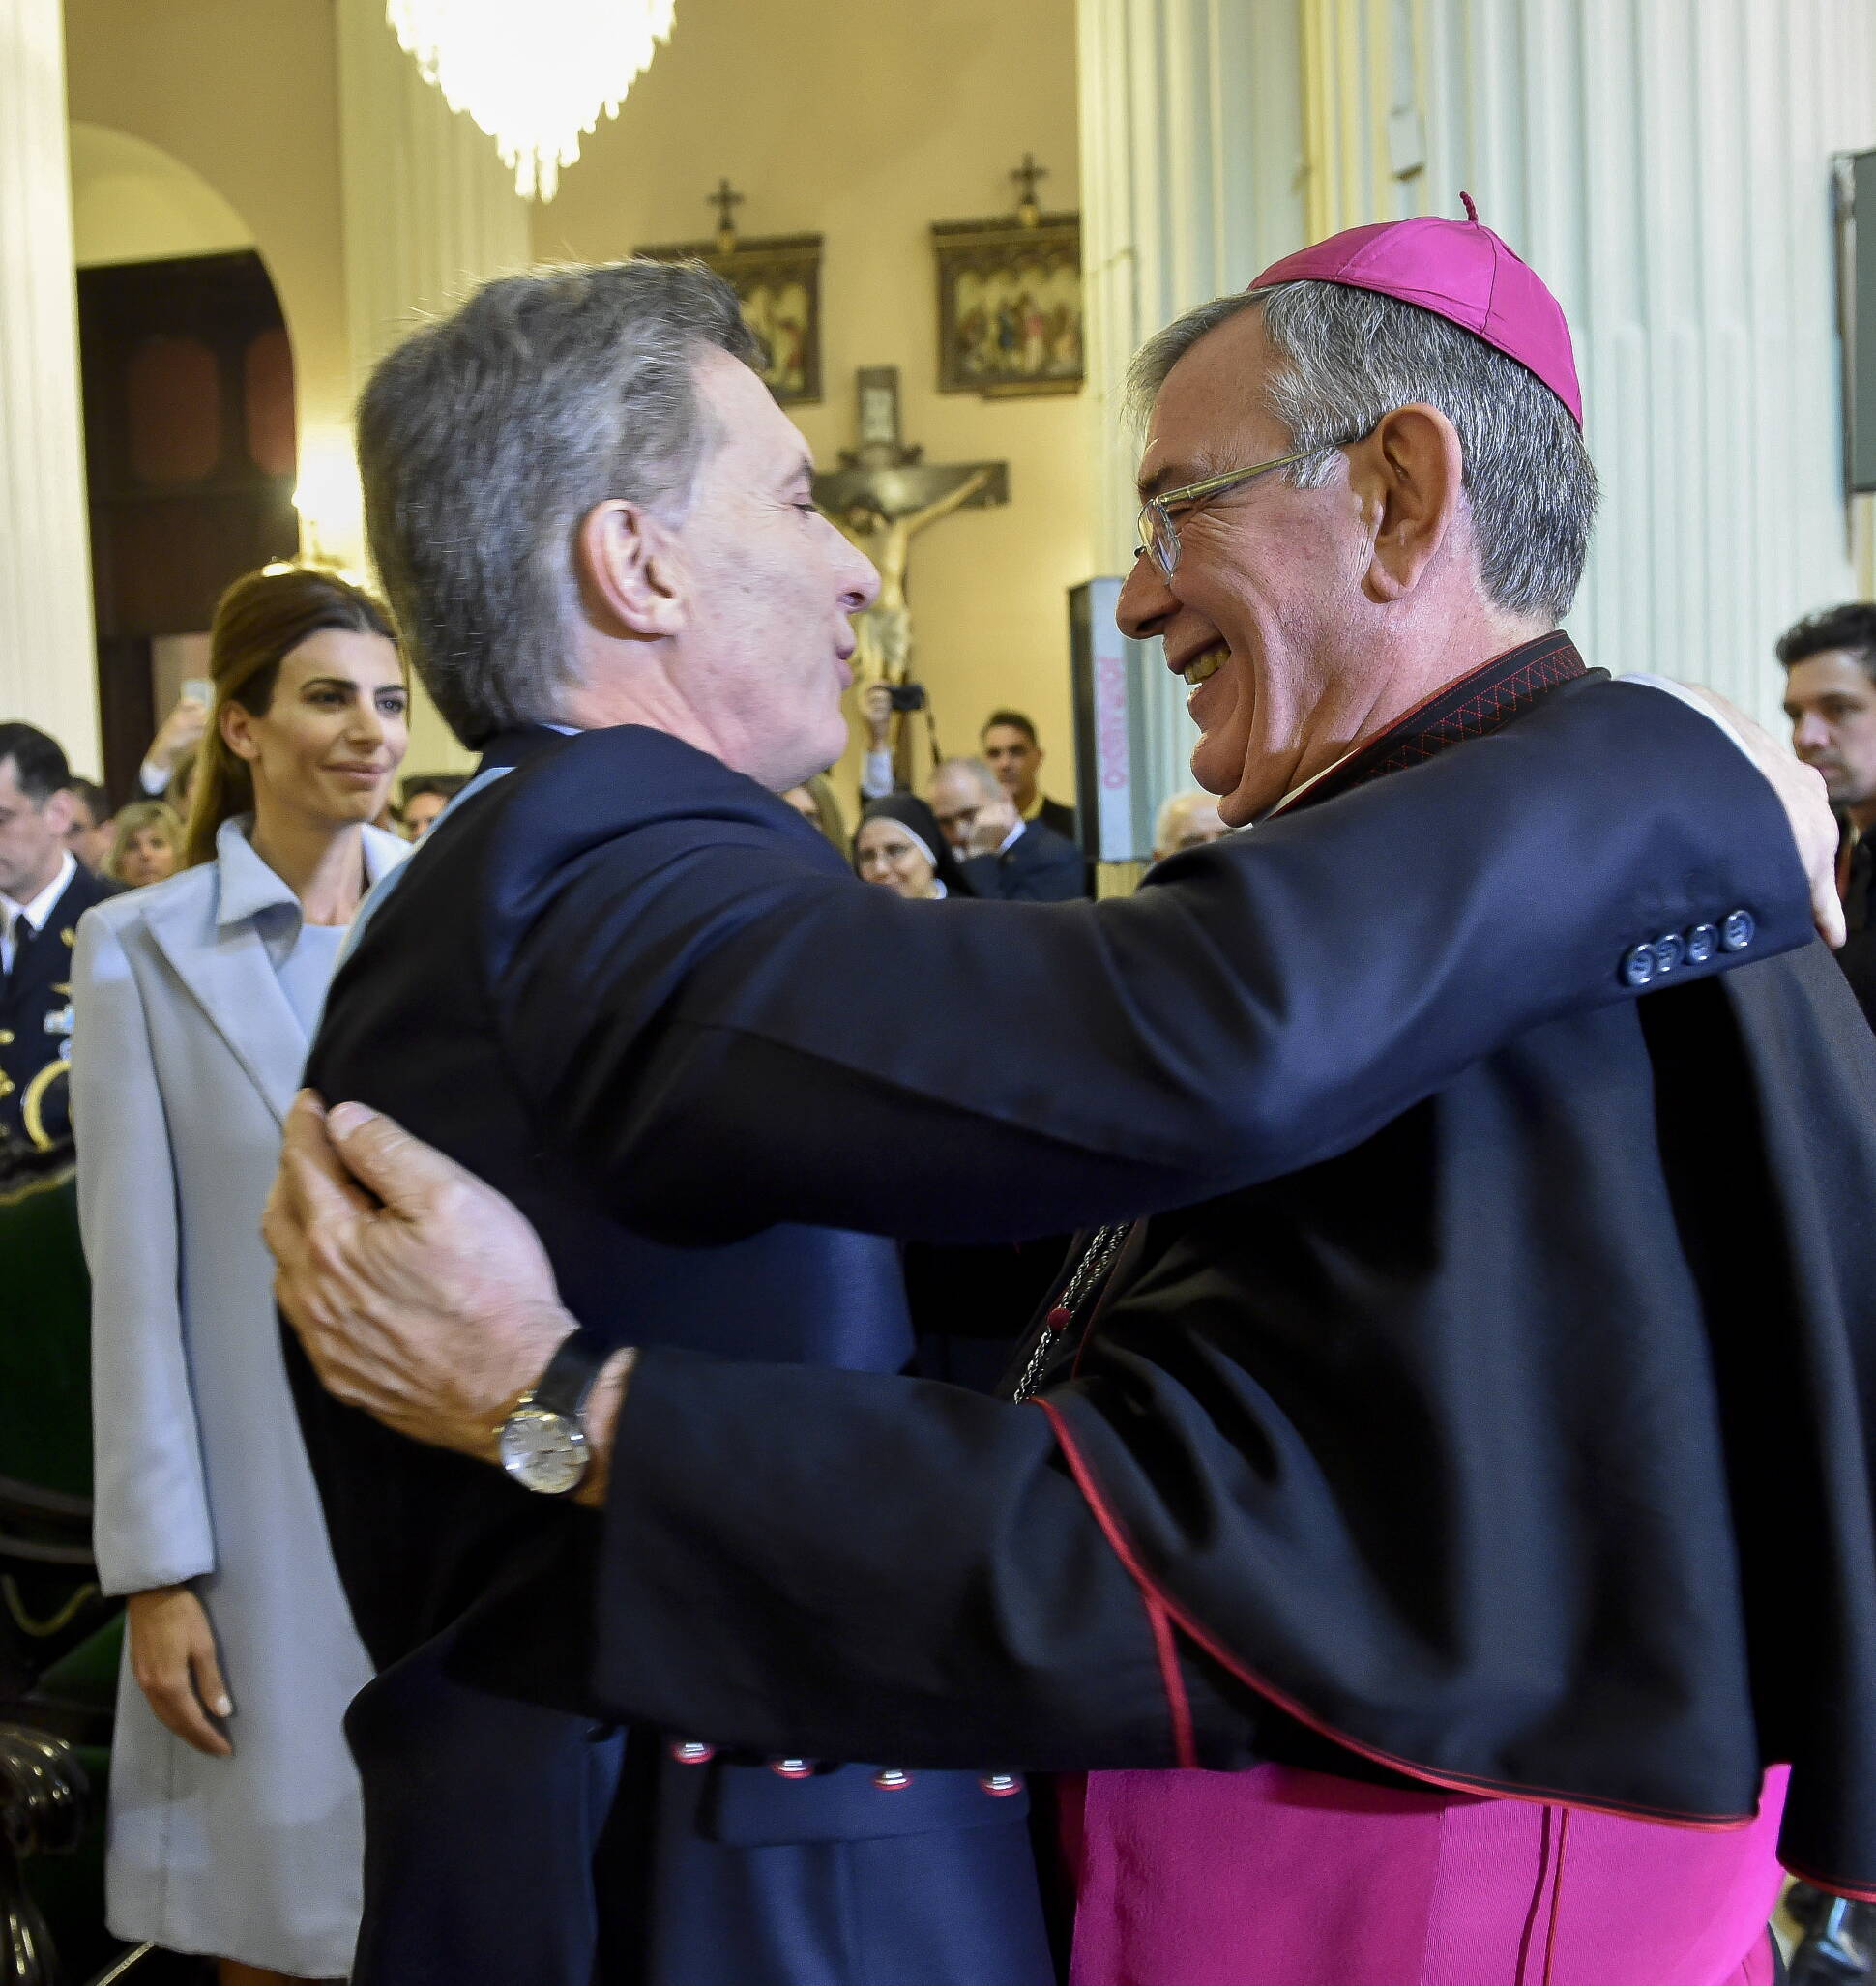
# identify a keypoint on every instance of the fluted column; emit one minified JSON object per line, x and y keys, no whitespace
{"x":430,"y":212}
{"x":48,"y":660}
{"x":1192,"y":176}
{"x":1666,"y":164}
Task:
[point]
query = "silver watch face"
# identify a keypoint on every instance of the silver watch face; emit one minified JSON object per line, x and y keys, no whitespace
{"x":543,"y":1450}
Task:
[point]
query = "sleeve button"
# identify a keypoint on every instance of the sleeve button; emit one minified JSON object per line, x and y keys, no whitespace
{"x":1670,"y":950}
{"x":890,"y":1779}
{"x":1703,"y":941}
{"x":792,"y":1768}
{"x":1639,"y":965}
{"x":1738,"y":931}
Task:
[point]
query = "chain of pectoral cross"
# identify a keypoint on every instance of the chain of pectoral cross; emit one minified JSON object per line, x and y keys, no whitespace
{"x":1096,"y":1259}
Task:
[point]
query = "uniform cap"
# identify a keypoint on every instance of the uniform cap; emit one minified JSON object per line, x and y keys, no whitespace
{"x":1458,"y":270}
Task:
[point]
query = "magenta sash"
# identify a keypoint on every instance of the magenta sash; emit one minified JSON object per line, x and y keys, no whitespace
{"x":1275,"y":1876}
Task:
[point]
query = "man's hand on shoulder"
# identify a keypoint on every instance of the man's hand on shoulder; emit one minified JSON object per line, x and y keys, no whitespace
{"x":421,"y":1295}
{"x":1801,"y":791}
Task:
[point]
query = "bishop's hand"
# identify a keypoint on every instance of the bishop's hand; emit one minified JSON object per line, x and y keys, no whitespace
{"x":1808,"y":807}
{"x":421,"y":1295}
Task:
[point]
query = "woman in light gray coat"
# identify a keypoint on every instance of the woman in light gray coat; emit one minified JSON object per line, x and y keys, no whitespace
{"x":234,"y":1811}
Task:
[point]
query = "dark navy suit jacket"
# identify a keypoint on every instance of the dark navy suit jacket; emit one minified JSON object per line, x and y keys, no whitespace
{"x":1039,"y":866}
{"x":647,"y":1001}
{"x":36,"y":1022}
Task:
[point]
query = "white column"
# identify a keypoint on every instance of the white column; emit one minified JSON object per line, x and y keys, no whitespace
{"x":48,"y":659}
{"x":1191,"y":179}
{"x":1665,"y":166}
{"x":430,"y":212}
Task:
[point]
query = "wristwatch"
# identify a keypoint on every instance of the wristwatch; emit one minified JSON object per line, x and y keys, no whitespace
{"x":544,"y":1446}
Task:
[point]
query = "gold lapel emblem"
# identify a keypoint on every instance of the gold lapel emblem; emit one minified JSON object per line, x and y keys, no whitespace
{"x":70,"y":935}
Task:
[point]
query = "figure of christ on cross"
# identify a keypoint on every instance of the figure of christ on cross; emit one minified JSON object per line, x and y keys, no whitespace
{"x":885,"y":629}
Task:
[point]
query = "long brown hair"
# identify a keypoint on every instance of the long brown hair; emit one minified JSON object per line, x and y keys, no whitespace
{"x":262,"y":619}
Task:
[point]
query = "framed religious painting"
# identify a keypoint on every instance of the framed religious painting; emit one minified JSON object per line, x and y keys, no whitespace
{"x":1010,"y":305}
{"x":777,"y":280}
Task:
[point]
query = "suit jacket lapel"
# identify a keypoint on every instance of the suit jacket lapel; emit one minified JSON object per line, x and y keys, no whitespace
{"x":233,"y":980}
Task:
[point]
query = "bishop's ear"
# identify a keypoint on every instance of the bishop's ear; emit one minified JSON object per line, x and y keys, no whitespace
{"x":631,"y":573}
{"x":1408,"y":475}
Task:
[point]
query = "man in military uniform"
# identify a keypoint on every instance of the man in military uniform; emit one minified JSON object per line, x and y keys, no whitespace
{"x":44,"y":890}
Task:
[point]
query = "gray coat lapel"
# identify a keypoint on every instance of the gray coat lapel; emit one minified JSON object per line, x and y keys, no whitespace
{"x":232,"y":978}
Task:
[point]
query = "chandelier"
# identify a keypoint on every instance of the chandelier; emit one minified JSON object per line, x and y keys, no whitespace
{"x":534,"y":77}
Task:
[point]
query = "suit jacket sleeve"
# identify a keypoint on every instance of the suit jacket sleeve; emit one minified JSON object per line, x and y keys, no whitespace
{"x":151,"y":1526}
{"x":845,"y":1565}
{"x":854,"y":1565}
{"x":762,"y":1041}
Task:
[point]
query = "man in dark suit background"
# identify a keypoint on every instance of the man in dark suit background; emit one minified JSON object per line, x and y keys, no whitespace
{"x":44,"y":891}
{"x":683,"y":1005}
{"x":1004,"y":856}
{"x":1830,"y":665}
{"x":1013,"y":751}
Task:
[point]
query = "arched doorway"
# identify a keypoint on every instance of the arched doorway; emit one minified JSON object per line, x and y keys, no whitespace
{"x":191,"y":444}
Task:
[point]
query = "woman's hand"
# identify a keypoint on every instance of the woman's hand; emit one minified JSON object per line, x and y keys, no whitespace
{"x":173,"y":1658}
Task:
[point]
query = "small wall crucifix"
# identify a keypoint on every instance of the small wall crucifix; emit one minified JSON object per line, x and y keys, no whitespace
{"x":1028,"y":211}
{"x":725,"y":199}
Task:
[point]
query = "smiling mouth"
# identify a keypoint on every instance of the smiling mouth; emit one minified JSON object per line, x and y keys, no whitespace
{"x":1204,"y":666}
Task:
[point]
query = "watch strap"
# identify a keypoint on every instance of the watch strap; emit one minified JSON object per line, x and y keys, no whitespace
{"x":568,"y":1376}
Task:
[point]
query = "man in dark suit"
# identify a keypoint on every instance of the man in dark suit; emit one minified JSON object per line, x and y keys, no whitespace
{"x":1830,"y":665}
{"x":1411,"y":1460}
{"x":44,"y":890}
{"x":1003,"y":856}
{"x":1013,"y":751}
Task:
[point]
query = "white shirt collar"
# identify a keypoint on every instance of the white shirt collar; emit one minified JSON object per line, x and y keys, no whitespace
{"x":39,"y":909}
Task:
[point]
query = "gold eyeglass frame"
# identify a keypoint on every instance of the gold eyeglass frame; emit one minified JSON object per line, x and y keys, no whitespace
{"x":1156,"y":522}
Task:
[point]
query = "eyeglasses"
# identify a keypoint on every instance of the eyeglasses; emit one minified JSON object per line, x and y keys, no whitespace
{"x":1160,"y":534}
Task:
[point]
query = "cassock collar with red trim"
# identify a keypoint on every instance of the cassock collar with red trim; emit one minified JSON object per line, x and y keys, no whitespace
{"x":1467,"y":707}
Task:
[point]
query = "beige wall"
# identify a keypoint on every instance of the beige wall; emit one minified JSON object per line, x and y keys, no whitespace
{"x":866,"y":128}
{"x":244,"y":94}
{"x":133,"y":203}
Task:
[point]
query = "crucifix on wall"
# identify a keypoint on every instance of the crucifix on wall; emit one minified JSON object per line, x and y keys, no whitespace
{"x":881,"y":497}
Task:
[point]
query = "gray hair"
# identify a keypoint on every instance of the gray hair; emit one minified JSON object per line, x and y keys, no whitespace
{"x":1165,"y":822}
{"x":486,"y":437}
{"x":1346,"y":357}
{"x":987,"y":782}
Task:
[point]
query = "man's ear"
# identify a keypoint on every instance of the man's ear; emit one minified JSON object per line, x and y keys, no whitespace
{"x":1407,"y":476}
{"x":59,"y":810}
{"x":631,"y":574}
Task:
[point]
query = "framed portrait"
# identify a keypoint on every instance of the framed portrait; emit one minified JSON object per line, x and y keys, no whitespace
{"x":777,"y":280}
{"x":1009,"y":306}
